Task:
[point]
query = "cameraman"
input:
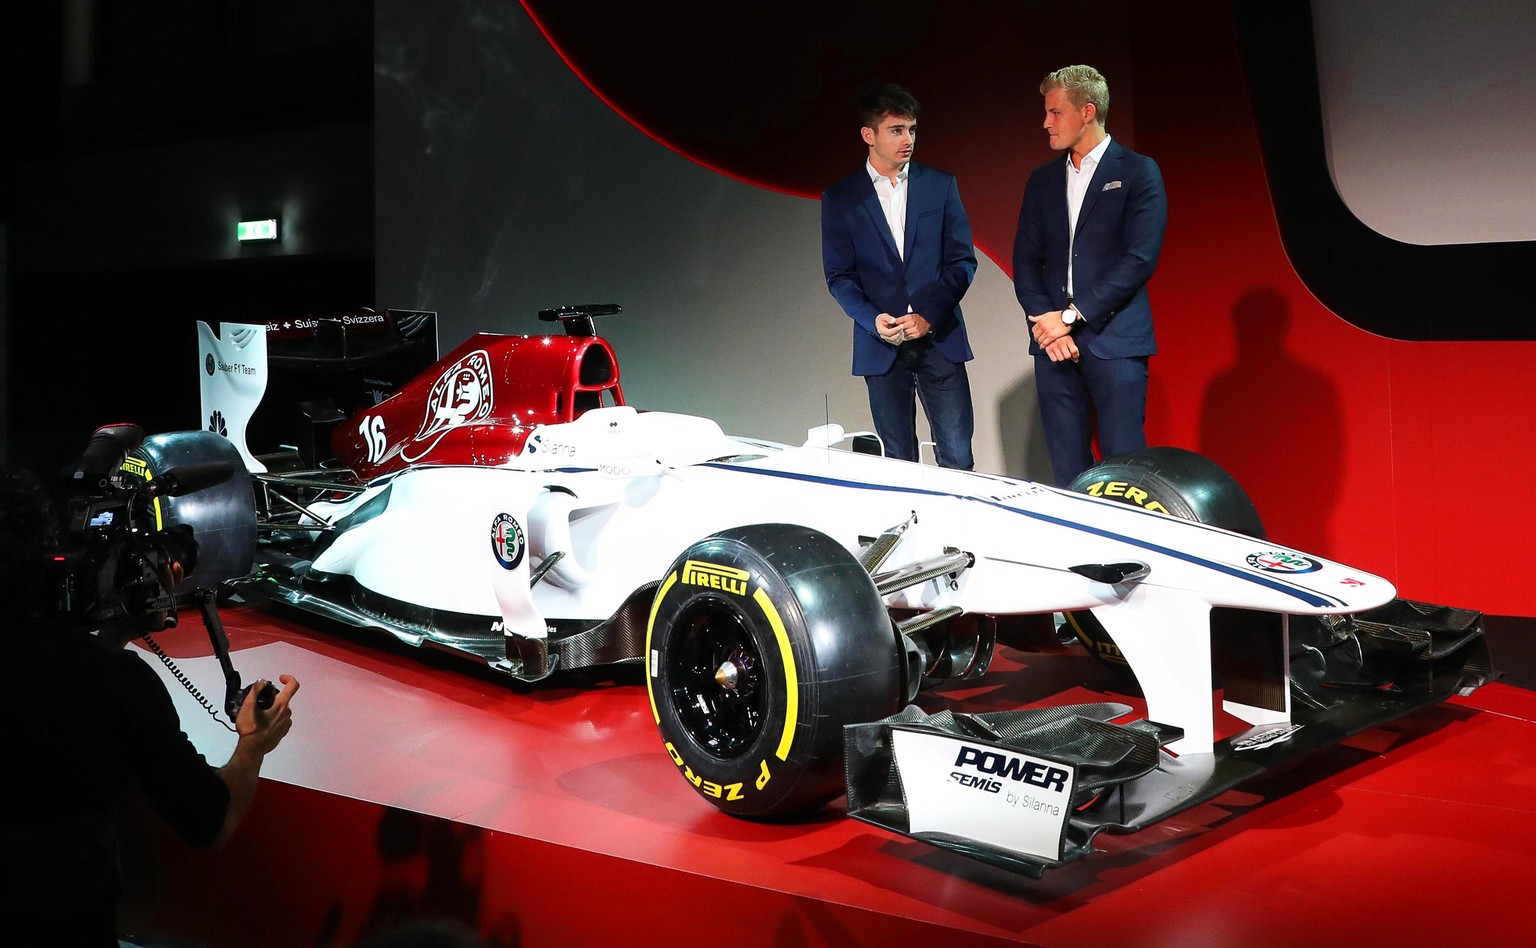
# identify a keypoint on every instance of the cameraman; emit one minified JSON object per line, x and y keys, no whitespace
{"x":88,"y":719}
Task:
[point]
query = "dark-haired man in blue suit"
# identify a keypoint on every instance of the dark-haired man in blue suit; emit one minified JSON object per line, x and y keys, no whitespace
{"x":896,"y":248}
{"x":1090,"y":232}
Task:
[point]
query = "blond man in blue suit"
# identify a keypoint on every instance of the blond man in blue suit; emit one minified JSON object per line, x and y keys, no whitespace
{"x":1090,"y":232}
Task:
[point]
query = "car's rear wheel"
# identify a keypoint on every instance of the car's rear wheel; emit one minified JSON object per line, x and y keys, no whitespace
{"x":763,"y":642}
{"x":1167,"y":480}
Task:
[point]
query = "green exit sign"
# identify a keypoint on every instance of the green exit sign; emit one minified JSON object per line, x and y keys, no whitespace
{"x":256,"y":230}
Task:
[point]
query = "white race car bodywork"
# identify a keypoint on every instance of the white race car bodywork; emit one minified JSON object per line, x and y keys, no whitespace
{"x":619,"y":494}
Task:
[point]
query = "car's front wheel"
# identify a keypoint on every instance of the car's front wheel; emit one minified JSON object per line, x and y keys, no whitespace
{"x":1166,"y":480}
{"x":763,"y":642}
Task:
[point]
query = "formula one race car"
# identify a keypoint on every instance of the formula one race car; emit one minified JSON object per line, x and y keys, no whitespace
{"x":789,"y":601}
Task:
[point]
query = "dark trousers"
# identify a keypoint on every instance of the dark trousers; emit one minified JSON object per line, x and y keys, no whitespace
{"x":945,"y":391}
{"x":1072,"y":394}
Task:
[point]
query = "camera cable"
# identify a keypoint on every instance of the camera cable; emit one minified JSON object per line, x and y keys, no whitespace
{"x":187,"y":683}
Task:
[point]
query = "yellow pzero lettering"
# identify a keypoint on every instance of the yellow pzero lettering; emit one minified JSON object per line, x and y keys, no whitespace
{"x":1135,"y":495}
{"x":650,"y":627}
{"x":765,"y":776}
{"x":715,"y":576}
{"x":729,"y":791}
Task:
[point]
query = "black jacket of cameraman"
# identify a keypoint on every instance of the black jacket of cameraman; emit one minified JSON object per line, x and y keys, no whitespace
{"x":88,"y":719}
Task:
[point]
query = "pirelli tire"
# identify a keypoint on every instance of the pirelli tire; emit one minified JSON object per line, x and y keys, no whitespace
{"x":763,"y":642}
{"x":1173,"y":481}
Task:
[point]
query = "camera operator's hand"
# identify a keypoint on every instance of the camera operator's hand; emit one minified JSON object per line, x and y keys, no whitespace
{"x":265,"y":729}
{"x":260,"y":731}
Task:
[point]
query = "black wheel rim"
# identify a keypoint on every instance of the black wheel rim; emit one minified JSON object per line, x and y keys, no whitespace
{"x":724,"y":721}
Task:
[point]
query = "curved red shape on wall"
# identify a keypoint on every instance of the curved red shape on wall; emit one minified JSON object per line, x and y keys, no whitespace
{"x":770,"y":99}
{"x":570,"y":60}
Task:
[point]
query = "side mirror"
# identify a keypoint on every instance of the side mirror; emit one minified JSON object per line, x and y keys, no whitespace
{"x":827,"y":436}
{"x":824,"y":436}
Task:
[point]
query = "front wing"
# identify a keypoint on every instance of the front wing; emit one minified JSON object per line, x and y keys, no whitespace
{"x":1031,"y":789}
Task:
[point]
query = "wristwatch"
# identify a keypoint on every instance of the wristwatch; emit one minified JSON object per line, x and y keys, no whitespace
{"x":1070,"y":315}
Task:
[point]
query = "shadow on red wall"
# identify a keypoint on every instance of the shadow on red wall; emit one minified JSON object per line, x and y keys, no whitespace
{"x":1272,"y":410}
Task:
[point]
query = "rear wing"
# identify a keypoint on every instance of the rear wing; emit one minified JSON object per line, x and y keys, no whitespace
{"x":276,"y":390}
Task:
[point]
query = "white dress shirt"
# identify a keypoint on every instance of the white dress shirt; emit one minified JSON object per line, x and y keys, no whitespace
{"x":893,"y":201}
{"x":1077,"y":188}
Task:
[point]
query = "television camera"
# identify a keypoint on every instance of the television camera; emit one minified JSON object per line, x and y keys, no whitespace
{"x":150,"y":524}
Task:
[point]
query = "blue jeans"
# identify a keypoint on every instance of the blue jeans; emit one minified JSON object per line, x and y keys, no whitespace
{"x":945,"y":391}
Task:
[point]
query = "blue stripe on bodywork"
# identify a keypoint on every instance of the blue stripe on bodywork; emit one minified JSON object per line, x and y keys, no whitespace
{"x":1306,"y":596}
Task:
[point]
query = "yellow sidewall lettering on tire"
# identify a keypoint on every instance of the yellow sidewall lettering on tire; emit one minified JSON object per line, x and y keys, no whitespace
{"x":720,"y":791}
{"x":650,"y":627}
{"x":732,"y":791}
{"x":791,"y":677}
{"x":1122,"y":489}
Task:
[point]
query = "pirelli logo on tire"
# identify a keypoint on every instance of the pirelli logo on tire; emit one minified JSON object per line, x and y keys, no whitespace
{"x":725,"y":578}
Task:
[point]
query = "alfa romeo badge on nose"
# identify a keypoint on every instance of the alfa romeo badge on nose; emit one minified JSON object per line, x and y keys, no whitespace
{"x":507,"y":541}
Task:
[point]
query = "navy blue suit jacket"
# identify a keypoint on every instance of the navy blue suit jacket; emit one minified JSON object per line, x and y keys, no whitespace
{"x":1119,"y":237}
{"x":867,"y":277}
